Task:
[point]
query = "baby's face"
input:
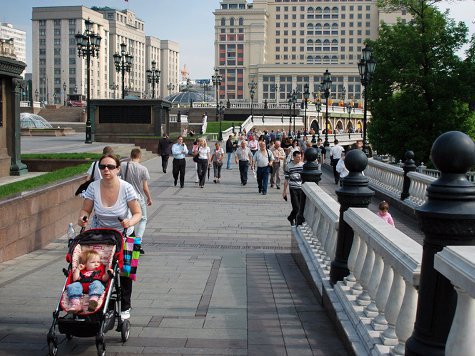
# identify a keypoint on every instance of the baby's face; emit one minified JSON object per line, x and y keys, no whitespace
{"x":93,"y":263}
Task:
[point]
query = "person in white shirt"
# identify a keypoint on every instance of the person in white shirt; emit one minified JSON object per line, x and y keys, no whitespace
{"x":335,"y":155}
{"x":263,"y":159}
{"x":341,"y":168}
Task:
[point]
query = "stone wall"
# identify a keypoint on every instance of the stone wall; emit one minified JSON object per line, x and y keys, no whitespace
{"x":33,"y":219}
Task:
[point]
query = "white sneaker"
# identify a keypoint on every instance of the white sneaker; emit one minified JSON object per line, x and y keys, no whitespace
{"x":125,"y":314}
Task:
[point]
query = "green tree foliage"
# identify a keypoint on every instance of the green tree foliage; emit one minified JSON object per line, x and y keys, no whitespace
{"x":421,"y":88}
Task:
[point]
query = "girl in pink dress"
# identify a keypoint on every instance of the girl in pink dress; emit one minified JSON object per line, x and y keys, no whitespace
{"x":383,"y":213}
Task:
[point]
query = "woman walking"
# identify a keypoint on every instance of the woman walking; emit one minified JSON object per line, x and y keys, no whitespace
{"x":204,"y":158}
{"x":217,"y":159}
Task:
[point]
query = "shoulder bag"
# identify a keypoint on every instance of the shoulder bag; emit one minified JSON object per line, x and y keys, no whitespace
{"x":83,"y":186}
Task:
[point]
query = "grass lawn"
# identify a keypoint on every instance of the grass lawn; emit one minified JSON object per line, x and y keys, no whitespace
{"x":213,"y":127}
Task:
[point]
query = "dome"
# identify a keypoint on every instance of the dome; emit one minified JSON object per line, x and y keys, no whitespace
{"x":33,"y":121}
{"x":185,"y":97}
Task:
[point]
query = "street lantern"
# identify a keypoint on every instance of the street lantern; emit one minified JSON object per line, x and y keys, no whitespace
{"x":64,"y":92}
{"x":123,"y":63}
{"x":153,"y":77}
{"x":252,"y":90}
{"x":326,"y":86}
{"x":366,"y":67}
{"x":205,"y":85}
{"x":114,"y":87}
{"x":88,"y":45}
{"x":217,"y":79}
{"x":220,"y":112}
{"x":306,"y":95}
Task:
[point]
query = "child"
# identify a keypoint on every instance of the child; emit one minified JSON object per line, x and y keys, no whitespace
{"x":384,"y":213}
{"x":88,"y":278}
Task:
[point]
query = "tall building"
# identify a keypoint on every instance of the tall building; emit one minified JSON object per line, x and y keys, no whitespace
{"x":283,"y":44}
{"x":7,"y":31}
{"x":55,"y":62}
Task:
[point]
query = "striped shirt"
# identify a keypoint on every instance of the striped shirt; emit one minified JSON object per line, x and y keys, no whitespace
{"x":292,"y":174}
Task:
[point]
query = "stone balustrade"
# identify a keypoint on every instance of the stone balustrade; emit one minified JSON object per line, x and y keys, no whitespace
{"x":457,"y":263}
{"x":418,"y":187}
{"x":385,"y":178}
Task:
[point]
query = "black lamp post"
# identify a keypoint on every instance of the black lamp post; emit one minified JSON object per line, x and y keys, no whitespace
{"x":366,"y":67}
{"x":349,"y":108}
{"x":88,"y":45}
{"x":153,"y":77}
{"x":36,"y":94}
{"x":306,"y":95}
{"x":123,"y":63}
{"x":170,"y":87}
{"x":220,"y":111}
{"x":217,"y":79}
{"x":64,"y":93}
{"x":252,"y":90}
{"x":326,"y":86}
{"x":289,"y":100}
{"x":205,"y":85}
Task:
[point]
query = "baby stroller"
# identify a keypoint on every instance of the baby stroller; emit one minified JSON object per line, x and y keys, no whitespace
{"x":109,"y":244}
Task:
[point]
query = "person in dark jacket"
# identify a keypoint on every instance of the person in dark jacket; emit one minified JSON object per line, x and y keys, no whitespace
{"x":229,"y":150}
{"x":165,"y":150}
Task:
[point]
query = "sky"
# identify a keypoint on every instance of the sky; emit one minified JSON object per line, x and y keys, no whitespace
{"x":188,"y":22}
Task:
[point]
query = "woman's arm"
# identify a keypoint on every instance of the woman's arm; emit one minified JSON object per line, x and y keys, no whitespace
{"x":136,"y":214}
{"x":86,"y":210}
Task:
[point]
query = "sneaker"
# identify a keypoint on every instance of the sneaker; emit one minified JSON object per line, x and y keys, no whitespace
{"x":124,"y":315}
{"x":278,"y":187}
{"x":75,"y":307}
{"x":175,"y":182}
{"x":214,"y":180}
{"x":272,"y":185}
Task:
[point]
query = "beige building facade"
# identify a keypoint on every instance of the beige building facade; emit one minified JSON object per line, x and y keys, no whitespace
{"x":283,"y":44}
{"x":55,"y":62}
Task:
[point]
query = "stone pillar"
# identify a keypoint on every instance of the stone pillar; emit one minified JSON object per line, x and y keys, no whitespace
{"x":310,"y":173}
{"x":17,"y":168}
{"x":447,"y":218}
{"x":353,"y":194}
{"x":409,"y":166}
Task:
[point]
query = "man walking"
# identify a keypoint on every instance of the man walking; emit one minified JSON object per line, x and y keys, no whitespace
{"x":229,"y":150}
{"x":335,"y":155}
{"x":179,"y":152}
{"x":263,"y":159}
{"x":165,"y":150}
{"x":293,"y":181}
{"x":279,"y":156}
{"x":138,"y":175}
{"x":244,"y":157}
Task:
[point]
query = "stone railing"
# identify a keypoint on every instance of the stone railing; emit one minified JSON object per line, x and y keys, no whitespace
{"x":376,"y":304}
{"x":457,"y":264}
{"x":418,"y":187}
{"x":385,"y":178}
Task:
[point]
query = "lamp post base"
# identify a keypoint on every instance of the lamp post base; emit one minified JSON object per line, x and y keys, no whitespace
{"x":88,"y":134}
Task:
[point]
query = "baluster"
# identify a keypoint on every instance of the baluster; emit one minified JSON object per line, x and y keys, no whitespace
{"x":371,"y":310}
{"x":384,"y":288}
{"x":357,"y":288}
{"x":364,"y":298}
{"x":406,"y":318}
{"x":393,"y":307}
{"x":460,"y":339}
{"x":350,"y":279}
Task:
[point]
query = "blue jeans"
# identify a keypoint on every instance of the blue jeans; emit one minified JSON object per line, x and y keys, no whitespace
{"x":140,"y":228}
{"x":75,"y":289}
{"x":228,"y":165}
{"x":263,"y":178}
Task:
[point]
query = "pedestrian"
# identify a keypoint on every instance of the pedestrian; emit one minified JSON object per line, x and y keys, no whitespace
{"x":384,"y":214}
{"x":217,"y":159}
{"x":112,"y":198}
{"x":322,"y":150}
{"x":341,"y":168}
{"x":165,"y":150}
{"x":244,"y":158}
{"x":335,"y":155}
{"x":293,"y":182}
{"x":137,"y":175}
{"x":194,"y":152}
{"x":179,"y":152}
{"x":263,"y":159}
{"x":253,"y":144}
{"x":229,"y":150}
{"x":204,"y":158}
{"x":279,"y":156}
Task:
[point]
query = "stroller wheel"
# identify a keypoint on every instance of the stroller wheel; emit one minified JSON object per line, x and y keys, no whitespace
{"x":100,"y":345}
{"x":125,"y":330}
{"x":52,"y":348}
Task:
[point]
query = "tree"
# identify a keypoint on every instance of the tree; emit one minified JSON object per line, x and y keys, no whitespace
{"x":421,"y":88}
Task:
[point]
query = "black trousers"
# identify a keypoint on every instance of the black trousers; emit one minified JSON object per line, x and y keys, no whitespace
{"x":336,"y":175}
{"x":295,"y":201}
{"x":126,"y":293}
{"x":243,"y":168}
{"x":165,"y":162}
{"x":202,"y":167}
{"x":179,"y":166}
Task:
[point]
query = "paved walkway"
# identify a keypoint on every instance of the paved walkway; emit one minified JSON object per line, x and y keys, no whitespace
{"x":217,"y":279}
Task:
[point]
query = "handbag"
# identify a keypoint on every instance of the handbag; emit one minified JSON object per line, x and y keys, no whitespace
{"x":196,"y":157}
{"x":83,"y":186}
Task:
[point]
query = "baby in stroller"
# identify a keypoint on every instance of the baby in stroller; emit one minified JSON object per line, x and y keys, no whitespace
{"x":88,"y":277}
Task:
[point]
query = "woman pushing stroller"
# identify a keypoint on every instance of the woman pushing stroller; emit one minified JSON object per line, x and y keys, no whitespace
{"x":115,"y":204}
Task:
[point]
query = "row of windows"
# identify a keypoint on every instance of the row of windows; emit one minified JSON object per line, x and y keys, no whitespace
{"x":232,"y":21}
{"x":42,"y":23}
{"x":317,"y":33}
{"x":318,"y":9}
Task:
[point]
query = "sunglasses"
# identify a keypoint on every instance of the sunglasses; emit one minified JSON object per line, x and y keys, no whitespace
{"x":110,"y":167}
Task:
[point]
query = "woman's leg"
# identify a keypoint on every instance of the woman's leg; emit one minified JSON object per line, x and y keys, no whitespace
{"x":126,"y":293}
